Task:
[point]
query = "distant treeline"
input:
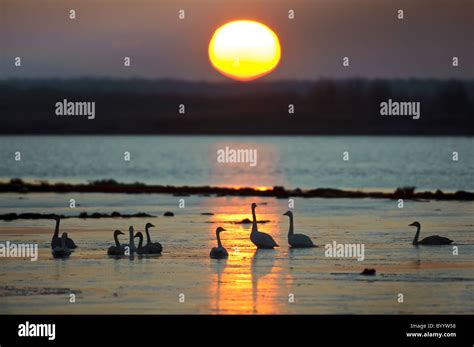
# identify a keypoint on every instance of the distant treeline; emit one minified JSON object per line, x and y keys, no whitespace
{"x":17,"y":185}
{"x":136,"y":106}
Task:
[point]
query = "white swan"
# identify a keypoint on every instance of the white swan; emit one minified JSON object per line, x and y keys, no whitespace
{"x":131,"y":244}
{"x":61,"y":251}
{"x":151,"y":247}
{"x":219,"y":252}
{"x":261,"y":240}
{"x":117,"y":249}
{"x":297,"y":240}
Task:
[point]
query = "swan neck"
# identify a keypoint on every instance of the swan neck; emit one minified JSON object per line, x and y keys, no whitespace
{"x":140,"y":243}
{"x":254,"y":221}
{"x":148,"y":238}
{"x":415,"y":240}
{"x":56,"y":230}
{"x":291,"y":231}
{"x":116,"y":240}
{"x":218,"y":235}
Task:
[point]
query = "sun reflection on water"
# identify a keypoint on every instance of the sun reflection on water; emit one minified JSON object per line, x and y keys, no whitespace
{"x":248,"y":281}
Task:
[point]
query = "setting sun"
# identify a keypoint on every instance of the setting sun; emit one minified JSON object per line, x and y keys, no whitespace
{"x":244,"y":50}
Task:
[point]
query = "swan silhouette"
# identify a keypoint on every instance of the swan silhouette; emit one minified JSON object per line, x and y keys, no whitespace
{"x":430,"y":240}
{"x":297,"y":240}
{"x":151,"y":247}
{"x":117,"y":249}
{"x":56,"y":241}
{"x":219,"y":252}
{"x":140,"y":249}
{"x":62,"y":251}
{"x":259,"y":239}
{"x":131,"y":245}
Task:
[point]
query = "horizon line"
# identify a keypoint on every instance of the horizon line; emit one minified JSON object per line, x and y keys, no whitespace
{"x":204,"y":81}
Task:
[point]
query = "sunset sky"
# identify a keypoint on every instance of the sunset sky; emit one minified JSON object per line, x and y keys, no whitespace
{"x":162,"y":46}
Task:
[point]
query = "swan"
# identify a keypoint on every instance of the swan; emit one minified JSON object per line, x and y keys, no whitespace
{"x":219,"y":252}
{"x":152,"y":247}
{"x":61,"y":251}
{"x":131,"y":243}
{"x":56,"y":241}
{"x":140,"y":248}
{"x":430,"y":240}
{"x":297,"y":240}
{"x":261,"y":240}
{"x":117,"y":249}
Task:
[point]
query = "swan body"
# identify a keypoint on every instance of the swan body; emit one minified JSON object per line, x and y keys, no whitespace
{"x":297,"y":240}
{"x":61,"y":251}
{"x":140,"y":248}
{"x":117,"y":249}
{"x":219,"y":252}
{"x":56,"y":240}
{"x":131,"y":244}
{"x":259,"y":239}
{"x":151,"y":247}
{"x":434,"y":240}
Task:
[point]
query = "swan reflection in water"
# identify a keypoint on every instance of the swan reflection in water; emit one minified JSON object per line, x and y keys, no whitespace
{"x":244,"y":287}
{"x":261,"y":265}
{"x":237,"y":284}
{"x":218,"y":267}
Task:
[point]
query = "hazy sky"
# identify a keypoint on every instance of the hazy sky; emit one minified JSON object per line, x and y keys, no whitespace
{"x":162,"y":46}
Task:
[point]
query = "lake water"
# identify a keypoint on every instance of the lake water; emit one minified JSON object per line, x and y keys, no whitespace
{"x":433,"y":280}
{"x":305,"y":162}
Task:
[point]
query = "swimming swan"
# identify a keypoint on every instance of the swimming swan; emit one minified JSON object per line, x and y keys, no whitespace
{"x":117,"y":249}
{"x":261,"y":240}
{"x":297,"y":240}
{"x":430,"y":240}
{"x":140,"y":249}
{"x":56,"y":241}
{"x":151,"y":247}
{"x":61,"y":251}
{"x":219,"y":252}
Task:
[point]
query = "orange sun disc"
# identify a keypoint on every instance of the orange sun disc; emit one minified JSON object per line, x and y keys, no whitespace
{"x":244,"y":50}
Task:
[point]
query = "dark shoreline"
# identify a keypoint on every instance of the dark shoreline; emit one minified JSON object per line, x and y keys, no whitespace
{"x":83,"y":215}
{"x":111,"y":186}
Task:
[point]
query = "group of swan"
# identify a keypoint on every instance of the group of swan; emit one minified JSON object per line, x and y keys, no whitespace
{"x":149,"y":248}
{"x":263,"y":240}
{"x":61,"y":246}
